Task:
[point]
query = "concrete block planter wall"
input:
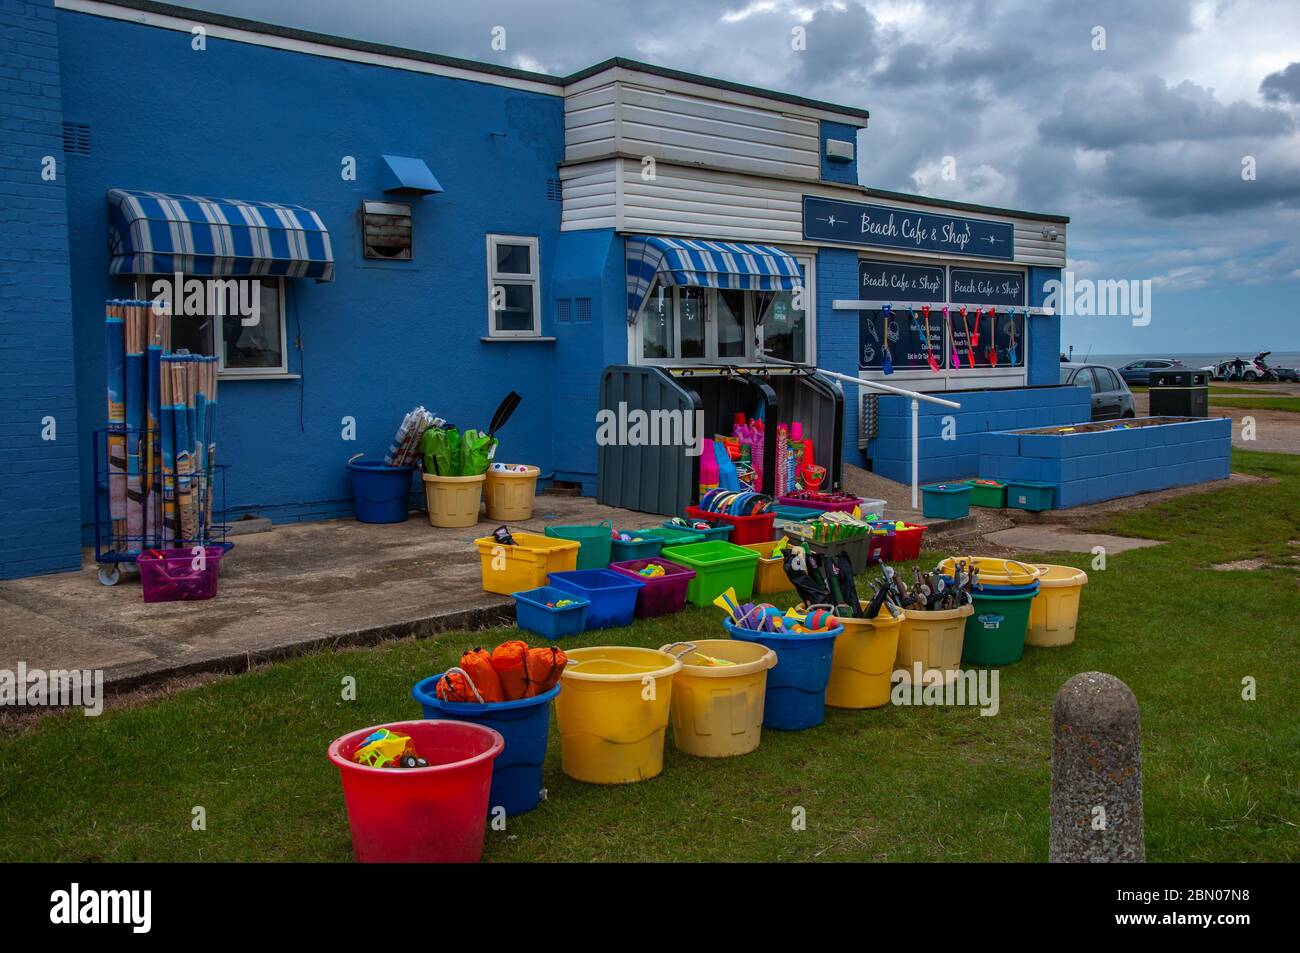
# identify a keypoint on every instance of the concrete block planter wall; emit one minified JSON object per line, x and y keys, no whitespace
{"x":1105,"y":464}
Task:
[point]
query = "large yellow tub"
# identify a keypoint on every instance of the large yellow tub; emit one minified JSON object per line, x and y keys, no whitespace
{"x":934,"y":639}
{"x":613,"y":712}
{"x":863,"y":662}
{"x":1054,"y":613}
{"x":718,"y":709}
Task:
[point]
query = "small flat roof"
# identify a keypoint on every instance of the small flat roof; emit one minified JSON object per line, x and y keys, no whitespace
{"x":456,"y":62}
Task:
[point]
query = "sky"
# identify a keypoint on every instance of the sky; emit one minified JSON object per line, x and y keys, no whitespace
{"x":1167,"y":130}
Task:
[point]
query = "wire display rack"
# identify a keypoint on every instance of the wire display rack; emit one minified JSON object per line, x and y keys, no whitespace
{"x":147,"y":503}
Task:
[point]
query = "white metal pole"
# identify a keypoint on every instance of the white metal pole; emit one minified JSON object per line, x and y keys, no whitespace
{"x":916,"y":455}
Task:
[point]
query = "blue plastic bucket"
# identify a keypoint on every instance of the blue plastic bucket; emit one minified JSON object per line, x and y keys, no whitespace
{"x":612,"y":595}
{"x":533,"y":613}
{"x":796,"y":687}
{"x":380,"y":494}
{"x":517,"y":771}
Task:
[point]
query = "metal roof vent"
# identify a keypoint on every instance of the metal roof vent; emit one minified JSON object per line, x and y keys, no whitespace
{"x":386,"y":230}
{"x":76,"y":138}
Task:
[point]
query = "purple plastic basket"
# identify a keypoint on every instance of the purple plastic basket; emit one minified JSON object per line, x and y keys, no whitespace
{"x":173,"y":577}
{"x":662,"y":594}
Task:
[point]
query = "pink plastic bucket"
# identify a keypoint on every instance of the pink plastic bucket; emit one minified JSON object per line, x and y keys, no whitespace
{"x":179,"y":574}
{"x":420,"y":815}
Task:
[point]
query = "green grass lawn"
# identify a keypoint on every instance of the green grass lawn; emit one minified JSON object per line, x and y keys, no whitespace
{"x":1288,"y":404}
{"x":1221,"y":775}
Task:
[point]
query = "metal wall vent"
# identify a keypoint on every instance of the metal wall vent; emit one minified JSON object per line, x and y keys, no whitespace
{"x":386,"y":230}
{"x":555,"y":190}
{"x":869,"y":417}
{"x":582,"y":307}
{"x":564,"y":310}
{"x":76,"y":138}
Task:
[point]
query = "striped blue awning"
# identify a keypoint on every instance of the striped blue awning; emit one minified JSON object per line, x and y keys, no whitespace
{"x":704,"y":264}
{"x":154,"y":233}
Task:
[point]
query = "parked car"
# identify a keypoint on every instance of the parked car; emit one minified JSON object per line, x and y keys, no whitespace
{"x":1111,"y":398}
{"x":1139,"y":372}
{"x":1256,"y":369}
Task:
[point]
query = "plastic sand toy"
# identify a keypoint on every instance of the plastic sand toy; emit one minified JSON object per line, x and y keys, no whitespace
{"x":388,"y":749}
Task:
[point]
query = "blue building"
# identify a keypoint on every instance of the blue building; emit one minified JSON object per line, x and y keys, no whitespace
{"x":481,"y":229}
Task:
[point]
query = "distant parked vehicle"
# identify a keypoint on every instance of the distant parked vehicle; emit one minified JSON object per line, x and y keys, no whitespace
{"x":1139,"y":372}
{"x":1252,"y":371}
{"x":1111,"y":398}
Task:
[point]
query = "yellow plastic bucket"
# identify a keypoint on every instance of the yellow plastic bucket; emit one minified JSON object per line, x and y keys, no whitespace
{"x":509,"y":494}
{"x":452,"y":501}
{"x":770,"y":575}
{"x":525,"y":565}
{"x":613,"y":712}
{"x":934,"y":639}
{"x":993,"y":570}
{"x":1054,"y":613}
{"x":718,"y":709}
{"x":862,"y":665}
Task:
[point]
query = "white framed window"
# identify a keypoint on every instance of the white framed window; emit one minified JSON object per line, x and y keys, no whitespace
{"x":514,"y":286}
{"x":252,"y":342}
{"x":687,"y":325}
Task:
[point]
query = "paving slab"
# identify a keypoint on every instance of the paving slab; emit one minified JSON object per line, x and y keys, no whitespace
{"x":1057,"y":539}
{"x":299,"y":587}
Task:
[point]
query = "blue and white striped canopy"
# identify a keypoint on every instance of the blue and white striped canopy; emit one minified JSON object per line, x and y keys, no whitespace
{"x":704,"y":264}
{"x":154,"y":233}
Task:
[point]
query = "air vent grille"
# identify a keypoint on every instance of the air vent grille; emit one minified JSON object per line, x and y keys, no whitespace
{"x":76,"y":138}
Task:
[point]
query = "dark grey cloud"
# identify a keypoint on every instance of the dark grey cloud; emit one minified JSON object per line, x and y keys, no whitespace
{"x":1282,"y":86}
{"x":1110,"y":109}
{"x":1203,"y":179}
{"x":843,"y":44}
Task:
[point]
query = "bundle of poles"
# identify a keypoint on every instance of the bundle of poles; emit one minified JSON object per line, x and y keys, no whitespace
{"x":161,"y":432}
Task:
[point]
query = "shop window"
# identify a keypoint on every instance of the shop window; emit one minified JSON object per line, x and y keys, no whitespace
{"x":514,"y":286}
{"x":725,"y":324}
{"x":250,"y":344}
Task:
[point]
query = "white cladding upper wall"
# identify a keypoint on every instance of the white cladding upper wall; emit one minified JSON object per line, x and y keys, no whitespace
{"x":621,"y":111}
{"x":705,"y":203}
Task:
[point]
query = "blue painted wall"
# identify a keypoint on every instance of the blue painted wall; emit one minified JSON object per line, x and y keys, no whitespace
{"x":837,"y":333}
{"x":1090,"y":467}
{"x":38,"y":477}
{"x":1044,"y":355}
{"x":384,"y":336}
{"x":845,"y":173}
{"x":982,"y":411}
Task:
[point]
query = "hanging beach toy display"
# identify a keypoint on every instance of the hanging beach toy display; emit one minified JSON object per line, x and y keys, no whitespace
{"x":975,"y":336}
{"x":992,"y":354}
{"x":1011,"y":337}
{"x":887,"y":364}
{"x":929,"y":351}
{"x":952,"y":341}
{"x":970,"y":351}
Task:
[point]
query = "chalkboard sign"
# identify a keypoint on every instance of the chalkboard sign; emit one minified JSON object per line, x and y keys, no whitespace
{"x":1002,"y":331}
{"x":970,"y":286}
{"x":907,"y":339}
{"x":889,"y":280}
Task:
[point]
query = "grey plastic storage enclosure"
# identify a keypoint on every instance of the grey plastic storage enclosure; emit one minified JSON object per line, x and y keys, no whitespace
{"x":654,"y":473}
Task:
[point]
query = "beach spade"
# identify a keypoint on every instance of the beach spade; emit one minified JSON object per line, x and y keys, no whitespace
{"x":887,"y":364}
{"x":975,"y":337}
{"x":970,"y":351}
{"x":1011,"y":338}
{"x":992,"y":354}
{"x":929,"y":354}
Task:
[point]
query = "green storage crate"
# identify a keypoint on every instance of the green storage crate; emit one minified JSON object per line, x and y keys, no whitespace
{"x":990,"y":493}
{"x":595,"y":542}
{"x":945,"y":501}
{"x":718,"y":566}
{"x":671,"y":537}
{"x":1030,"y":495}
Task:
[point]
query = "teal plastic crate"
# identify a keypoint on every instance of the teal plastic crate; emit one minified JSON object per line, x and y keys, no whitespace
{"x":1030,"y":495}
{"x":648,"y":546}
{"x":945,"y":501}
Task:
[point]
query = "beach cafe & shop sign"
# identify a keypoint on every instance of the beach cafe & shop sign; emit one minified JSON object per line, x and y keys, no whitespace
{"x":879,"y":226}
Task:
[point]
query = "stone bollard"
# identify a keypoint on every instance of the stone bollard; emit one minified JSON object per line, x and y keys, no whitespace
{"x":1096,"y":804}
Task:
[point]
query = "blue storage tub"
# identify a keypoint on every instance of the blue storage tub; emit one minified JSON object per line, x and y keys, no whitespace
{"x":796,"y":687}
{"x":621,"y":552}
{"x":713,"y":532}
{"x":612,"y":595}
{"x":523,"y":724}
{"x":533,"y":613}
{"x":380,"y":494}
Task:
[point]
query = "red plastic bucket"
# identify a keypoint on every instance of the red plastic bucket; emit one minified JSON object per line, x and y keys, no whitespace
{"x":906,"y":543}
{"x":420,"y":815}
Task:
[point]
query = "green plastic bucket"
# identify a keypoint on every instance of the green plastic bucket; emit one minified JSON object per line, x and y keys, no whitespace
{"x":718,"y":566}
{"x":996,"y":630}
{"x":992,"y":494}
{"x":594,"y":542}
{"x":671,"y":537}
